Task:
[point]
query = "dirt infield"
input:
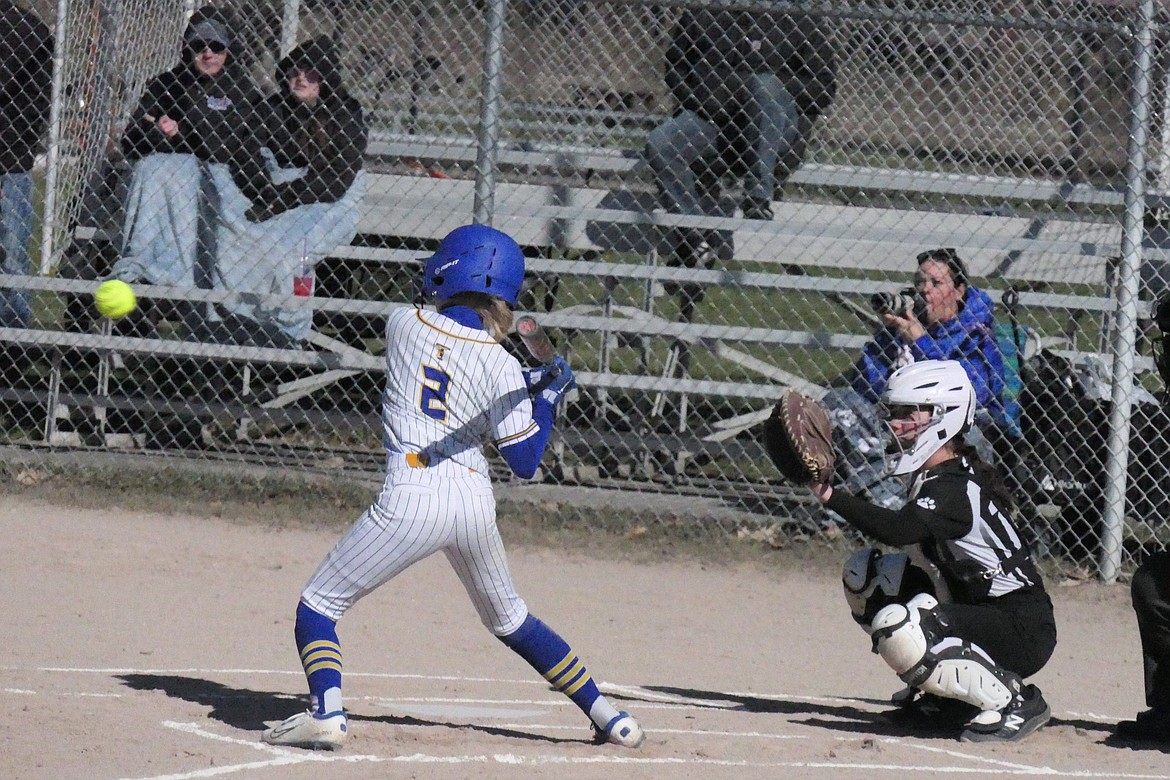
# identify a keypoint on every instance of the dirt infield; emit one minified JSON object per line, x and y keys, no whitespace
{"x":141,"y":645}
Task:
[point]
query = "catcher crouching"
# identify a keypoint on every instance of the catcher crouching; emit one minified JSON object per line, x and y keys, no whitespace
{"x":960,"y":613}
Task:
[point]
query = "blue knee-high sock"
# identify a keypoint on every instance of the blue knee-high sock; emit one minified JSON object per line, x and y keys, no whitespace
{"x":321,"y":656}
{"x":550,"y":655}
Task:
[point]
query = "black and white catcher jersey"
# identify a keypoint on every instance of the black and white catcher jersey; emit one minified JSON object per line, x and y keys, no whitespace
{"x":974,"y":541}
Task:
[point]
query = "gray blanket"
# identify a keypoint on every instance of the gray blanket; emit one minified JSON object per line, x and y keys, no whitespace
{"x":175,"y":199}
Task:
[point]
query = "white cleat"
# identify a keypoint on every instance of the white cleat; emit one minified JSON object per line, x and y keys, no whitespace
{"x":622,"y":730}
{"x":309,"y":731}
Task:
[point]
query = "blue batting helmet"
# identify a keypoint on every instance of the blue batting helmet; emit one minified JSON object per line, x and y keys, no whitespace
{"x":474,"y":258}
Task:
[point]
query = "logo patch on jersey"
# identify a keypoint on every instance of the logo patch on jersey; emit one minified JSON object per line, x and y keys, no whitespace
{"x":219,"y":103}
{"x":441,"y":351}
{"x":926,"y":502}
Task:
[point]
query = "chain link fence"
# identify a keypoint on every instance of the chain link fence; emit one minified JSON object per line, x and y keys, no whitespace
{"x":695,"y":248}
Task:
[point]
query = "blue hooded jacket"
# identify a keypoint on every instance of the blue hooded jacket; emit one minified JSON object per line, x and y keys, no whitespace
{"x":968,"y":338}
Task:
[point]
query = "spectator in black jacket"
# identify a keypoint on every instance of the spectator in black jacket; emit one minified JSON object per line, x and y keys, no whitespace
{"x":314,"y":124}
{"x":26,"y":68}
{"x":274,"y":229}
{"x":191,"y":121}
{"x":748,"y":85}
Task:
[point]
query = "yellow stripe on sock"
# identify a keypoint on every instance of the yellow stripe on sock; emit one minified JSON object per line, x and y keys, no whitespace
{"x":574,"y":687}
{"x":552,"y":674}
{"x":321,"y":655}
{"x":569,"y":674}
{"x":322,"y":664}
{"x":320,"y":644}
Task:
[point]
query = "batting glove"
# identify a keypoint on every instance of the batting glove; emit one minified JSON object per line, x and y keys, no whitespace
{"x":551,"y":382}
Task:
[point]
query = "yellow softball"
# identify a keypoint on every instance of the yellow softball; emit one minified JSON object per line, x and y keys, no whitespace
{"x":115,"y":299}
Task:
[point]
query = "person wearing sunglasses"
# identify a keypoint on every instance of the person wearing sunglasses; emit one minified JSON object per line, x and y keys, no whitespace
{"x":190,"y":121}
{"x":942,"y":317}
{"x":194,"y":107}
{"x":274,"y":229}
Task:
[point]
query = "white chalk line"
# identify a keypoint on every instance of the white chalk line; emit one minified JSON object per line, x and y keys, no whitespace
{"x":733,"y":698}
{"x":656,"y":730}
{"x":1013,"y":768}
{"x":650,"y":700}
{"x":558,"y":701}
{"x":267,"y":672}
{"x":283,"y":757}
{"x":606,"y":687}
{"x":959,"y":754}
{"x":645,"y":695}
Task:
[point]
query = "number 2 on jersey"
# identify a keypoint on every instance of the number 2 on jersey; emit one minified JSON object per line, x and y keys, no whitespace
{"x":433,"y":398}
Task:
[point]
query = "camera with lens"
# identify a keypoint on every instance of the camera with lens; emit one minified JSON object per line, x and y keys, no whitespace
{"x":899,"y":302}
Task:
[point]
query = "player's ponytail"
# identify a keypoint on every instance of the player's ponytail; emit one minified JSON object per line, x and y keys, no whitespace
{"x":495,"y":313}
{"x":992,"y":477}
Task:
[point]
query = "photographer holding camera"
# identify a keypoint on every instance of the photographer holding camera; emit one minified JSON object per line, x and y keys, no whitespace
{"x":941,"y":318}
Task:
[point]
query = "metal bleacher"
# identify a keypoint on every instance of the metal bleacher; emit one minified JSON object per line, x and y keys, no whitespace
{"x":591,"y":216}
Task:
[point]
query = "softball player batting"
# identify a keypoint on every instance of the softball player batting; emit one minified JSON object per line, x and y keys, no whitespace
{"x":450,"y":388}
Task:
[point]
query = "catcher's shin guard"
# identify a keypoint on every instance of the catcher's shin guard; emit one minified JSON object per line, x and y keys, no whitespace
{"x":953,"y":668}
{"x":961,"y":671}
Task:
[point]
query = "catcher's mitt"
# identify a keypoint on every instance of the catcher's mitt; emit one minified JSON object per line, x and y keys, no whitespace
{"x":798,"y":437}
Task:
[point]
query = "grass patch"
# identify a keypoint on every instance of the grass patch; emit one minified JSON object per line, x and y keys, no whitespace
{"x":252,"y":495}
{"x":231,"y":492}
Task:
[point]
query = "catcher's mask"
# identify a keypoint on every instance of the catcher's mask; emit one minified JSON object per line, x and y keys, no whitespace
{"x":940,"y":387}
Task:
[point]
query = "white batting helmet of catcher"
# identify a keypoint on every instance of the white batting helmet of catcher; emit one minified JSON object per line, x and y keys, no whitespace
{"x":943,"y":387}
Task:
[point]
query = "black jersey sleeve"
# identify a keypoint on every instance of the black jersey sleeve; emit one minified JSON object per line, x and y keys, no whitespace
{"x":939,"y":511}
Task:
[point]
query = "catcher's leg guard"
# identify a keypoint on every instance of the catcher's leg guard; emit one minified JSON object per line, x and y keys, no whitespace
{"x":962,"y":671}
{"x":899,"y":636}
{"x":874,"y":580}
{"x":904,"y":637}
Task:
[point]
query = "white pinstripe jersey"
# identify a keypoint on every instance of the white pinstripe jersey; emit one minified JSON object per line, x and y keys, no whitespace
{"x":450,"y":389}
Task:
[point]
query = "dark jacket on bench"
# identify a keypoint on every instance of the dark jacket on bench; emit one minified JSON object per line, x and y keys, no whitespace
{"x":214,"y":114}
{"x":26,"y":69}
{"x":712,"y":50}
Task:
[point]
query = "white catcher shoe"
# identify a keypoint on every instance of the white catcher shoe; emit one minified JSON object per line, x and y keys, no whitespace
{"x":309,"y":731}
{"x":622,"y":730}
